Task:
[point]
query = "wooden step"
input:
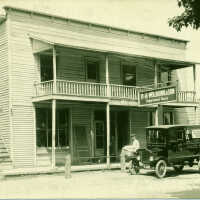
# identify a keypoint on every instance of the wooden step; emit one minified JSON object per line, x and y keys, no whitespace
{"x":4,"y":155}
{"x":3,"y":150}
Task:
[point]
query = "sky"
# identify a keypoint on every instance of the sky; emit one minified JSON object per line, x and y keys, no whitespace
{"x":149,"y":16}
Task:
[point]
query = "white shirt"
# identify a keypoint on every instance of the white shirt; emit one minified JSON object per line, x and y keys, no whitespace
{"x":136,"y":144}
{"x":133,"y":147}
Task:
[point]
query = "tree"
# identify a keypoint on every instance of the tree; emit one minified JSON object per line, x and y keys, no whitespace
{"x":189,"y":17}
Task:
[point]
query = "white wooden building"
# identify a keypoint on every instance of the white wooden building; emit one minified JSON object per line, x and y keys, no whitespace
{"x":69,"y":83}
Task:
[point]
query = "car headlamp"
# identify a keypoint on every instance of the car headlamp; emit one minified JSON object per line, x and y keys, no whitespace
{"x":151,"y":158}
{"x":138,"y":157}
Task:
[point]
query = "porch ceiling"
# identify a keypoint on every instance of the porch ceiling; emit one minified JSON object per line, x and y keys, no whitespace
{"x":40,"y":44}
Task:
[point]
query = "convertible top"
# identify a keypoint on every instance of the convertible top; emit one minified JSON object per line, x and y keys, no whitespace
{"x":173,"y":126}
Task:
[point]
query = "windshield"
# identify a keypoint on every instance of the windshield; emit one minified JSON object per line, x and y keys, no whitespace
{"x":195,"y":133}
{"x":155,"y":136}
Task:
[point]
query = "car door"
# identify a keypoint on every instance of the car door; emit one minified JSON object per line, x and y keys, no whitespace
{"x":176,"y":145}
{"x":178,"y":148}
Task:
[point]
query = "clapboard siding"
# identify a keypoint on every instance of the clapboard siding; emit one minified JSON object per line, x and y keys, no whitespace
{"x":139,"y":120}
{"x":81,"y":116}
{"x":71,"y":66}
{"x":89,"y":28}
{"x":4,"y":90}
{"x":186,"y":116}
{"x":105,"y":42}
{"x":23,"y":136}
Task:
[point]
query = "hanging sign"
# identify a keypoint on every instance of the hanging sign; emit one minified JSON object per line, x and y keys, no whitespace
{"x":157,"y":96}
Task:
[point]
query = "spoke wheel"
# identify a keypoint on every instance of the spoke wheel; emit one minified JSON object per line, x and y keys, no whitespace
{"x":178,"y":168}
{"x":161,"y":168}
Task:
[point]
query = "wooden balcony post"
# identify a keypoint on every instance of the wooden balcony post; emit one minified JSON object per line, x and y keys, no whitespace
{"x":194,"y":77}
{"x":53,"y":161}
{"x":54,"y":70}
{"x":108,"y":134}
{"x":71,"y":142}
{"x":107,"y":75}
{"x":156,"y":116}
{"x":156,"y":74}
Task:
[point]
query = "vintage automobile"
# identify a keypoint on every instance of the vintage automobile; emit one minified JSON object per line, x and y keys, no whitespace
{"x":171,"y":146}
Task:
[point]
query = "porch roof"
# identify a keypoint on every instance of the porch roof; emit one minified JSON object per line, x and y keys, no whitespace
{"x":41,"y":44}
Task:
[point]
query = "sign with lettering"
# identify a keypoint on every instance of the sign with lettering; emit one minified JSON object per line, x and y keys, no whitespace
{"x":157,"y":96}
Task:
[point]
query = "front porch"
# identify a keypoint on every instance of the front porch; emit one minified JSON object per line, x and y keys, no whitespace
{"x":92,"y":133}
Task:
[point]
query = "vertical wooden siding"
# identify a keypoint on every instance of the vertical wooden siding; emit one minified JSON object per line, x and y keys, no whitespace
{"x":139,"y":120}
{"x":4,"y":83}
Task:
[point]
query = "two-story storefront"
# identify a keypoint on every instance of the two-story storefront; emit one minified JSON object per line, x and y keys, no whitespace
{"x":69,"y":83}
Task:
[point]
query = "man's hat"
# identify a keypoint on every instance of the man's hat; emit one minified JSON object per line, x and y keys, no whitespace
{"x":133,"y":135}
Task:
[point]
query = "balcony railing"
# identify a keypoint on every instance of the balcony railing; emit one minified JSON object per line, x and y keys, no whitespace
{"x":81,"y":88}
{"x":101,"y":90}
{"x":186,"y":96}
{"x":125,"y":92}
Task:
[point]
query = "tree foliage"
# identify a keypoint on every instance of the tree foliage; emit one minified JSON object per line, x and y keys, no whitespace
{"x":189,"y":17}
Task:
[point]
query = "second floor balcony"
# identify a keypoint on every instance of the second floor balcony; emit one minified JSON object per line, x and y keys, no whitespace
{"x":101,"y":92}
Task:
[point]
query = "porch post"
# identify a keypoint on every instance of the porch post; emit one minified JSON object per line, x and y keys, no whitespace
{"x":108,"y":134}
{"x":194,"y":78}
{"x":156,"y":77}
{"x":35,"y":135}
{"x":107,"y":75}
{"x":195,"y":90}
{"x":156,"y":80}
{"x":116,"y":135}
{"x":157,"y":116}
{"x":54,"y":70}
{"x":53,"y":132}
{"x":71,"y":134}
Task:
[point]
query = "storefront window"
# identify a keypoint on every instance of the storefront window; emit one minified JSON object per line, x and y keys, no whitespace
{"x":44,"y":128}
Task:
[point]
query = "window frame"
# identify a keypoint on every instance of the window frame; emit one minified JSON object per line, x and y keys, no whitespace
{"x":171,"y":113}
{"x":125,"y":64}
{"x":92,"y":60}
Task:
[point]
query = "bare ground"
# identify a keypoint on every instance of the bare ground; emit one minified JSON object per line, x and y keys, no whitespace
{"x":103,"y":184}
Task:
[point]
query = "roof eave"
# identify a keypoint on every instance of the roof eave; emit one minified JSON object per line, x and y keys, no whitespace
{"x":95,"y":24}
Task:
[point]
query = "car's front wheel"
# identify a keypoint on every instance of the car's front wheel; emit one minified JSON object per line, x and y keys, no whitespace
{"x":178,"y":168}
{"x":198,"y":164}
{"x":161,"y":168}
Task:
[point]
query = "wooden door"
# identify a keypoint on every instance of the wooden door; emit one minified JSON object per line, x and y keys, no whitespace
{"x":81,"y":145}
{"x":99,"y":138}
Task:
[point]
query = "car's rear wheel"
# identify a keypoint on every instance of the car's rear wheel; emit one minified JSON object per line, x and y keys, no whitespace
{"x":178,"y":168}
{"x":161,"y":168}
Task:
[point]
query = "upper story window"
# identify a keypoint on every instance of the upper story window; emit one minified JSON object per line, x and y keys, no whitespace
{"x":129,"y":75}
{"x":46,"y":67}
{"x":168,"y":118}
{"x":152,"y":118}
{"x":92,"y":70}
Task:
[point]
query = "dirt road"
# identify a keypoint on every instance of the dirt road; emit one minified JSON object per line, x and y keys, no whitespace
{"x":103,"y":184}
